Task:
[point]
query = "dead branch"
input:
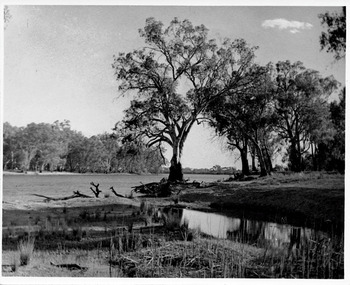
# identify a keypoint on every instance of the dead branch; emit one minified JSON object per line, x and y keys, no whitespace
{"x":115,"y":193}
{"x":96,"y":191}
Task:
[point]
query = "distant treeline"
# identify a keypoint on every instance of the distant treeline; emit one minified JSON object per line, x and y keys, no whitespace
{"x":56,"y":147}
{"x":217,"y":169}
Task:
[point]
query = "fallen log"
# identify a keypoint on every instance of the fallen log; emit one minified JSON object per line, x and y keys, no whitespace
{"x":76,"y":194}
{"x":70,"y":266}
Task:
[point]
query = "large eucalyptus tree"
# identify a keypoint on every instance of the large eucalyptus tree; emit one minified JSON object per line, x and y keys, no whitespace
{"x":174,"y":78}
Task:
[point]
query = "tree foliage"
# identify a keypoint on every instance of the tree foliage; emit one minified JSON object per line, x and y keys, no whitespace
{"x":334,"y":40}
{"x":300,"y":98}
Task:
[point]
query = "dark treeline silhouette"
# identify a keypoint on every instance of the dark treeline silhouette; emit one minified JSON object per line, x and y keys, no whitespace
{"x":55,"y":147}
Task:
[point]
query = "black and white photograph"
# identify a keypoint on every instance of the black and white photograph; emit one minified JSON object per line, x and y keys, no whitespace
{"x":146,"y":142}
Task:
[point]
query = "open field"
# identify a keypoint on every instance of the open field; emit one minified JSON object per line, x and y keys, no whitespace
{"x":128,"y":238}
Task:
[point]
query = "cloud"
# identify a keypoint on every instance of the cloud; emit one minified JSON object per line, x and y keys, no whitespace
{"x":283,"y":24}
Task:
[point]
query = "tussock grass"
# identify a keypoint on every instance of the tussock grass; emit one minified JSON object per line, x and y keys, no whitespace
{"x":26,"y":249}
{"x":199,"y":258}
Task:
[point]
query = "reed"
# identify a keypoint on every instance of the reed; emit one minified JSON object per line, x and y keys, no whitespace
{"x":316,"y":259}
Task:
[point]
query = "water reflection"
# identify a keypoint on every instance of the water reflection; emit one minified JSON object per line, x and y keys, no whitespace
{"x":243,"y":230}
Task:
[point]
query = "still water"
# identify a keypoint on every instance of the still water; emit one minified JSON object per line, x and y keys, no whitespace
{"x":244,"y":230}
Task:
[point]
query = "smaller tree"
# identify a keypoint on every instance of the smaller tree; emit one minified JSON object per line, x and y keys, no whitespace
{"x":337,"y":145}
{"x":7,"y":16}
{"x":334,"y":40}
{"x":298,"y":93}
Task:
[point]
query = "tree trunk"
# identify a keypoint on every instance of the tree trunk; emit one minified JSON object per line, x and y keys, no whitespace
{"x":294,"y":157}
{"x":263,"y":169}
{"x":175,"y":172}
{"x":244,"y":159}
{"x":175,"y":165}
{"x":268,"y":161}
{"x":252,"y":152}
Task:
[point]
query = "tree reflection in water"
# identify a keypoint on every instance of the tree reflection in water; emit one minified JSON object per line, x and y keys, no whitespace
{"x":247,"y":231}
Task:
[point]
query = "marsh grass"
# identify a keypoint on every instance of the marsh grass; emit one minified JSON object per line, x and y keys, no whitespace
{"x":26,"y":249}
{"x":316,"y":259}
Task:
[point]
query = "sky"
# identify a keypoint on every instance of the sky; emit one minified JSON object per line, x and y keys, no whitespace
{"x":57,"y":60}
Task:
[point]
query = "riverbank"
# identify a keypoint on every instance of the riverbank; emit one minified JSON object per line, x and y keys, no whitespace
{"x":301,"y":199}
{"x":83,"y":225}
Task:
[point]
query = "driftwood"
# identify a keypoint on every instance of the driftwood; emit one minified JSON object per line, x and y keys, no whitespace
{"x":115,"y":193}
{"x":166,"y":188}
{"x":70,"y":266}
{"x":157,"y":189}
{"x":76,"y":194}
{"x":96,"y":191}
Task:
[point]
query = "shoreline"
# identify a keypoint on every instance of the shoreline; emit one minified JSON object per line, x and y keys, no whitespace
{"x":312,"y":201}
